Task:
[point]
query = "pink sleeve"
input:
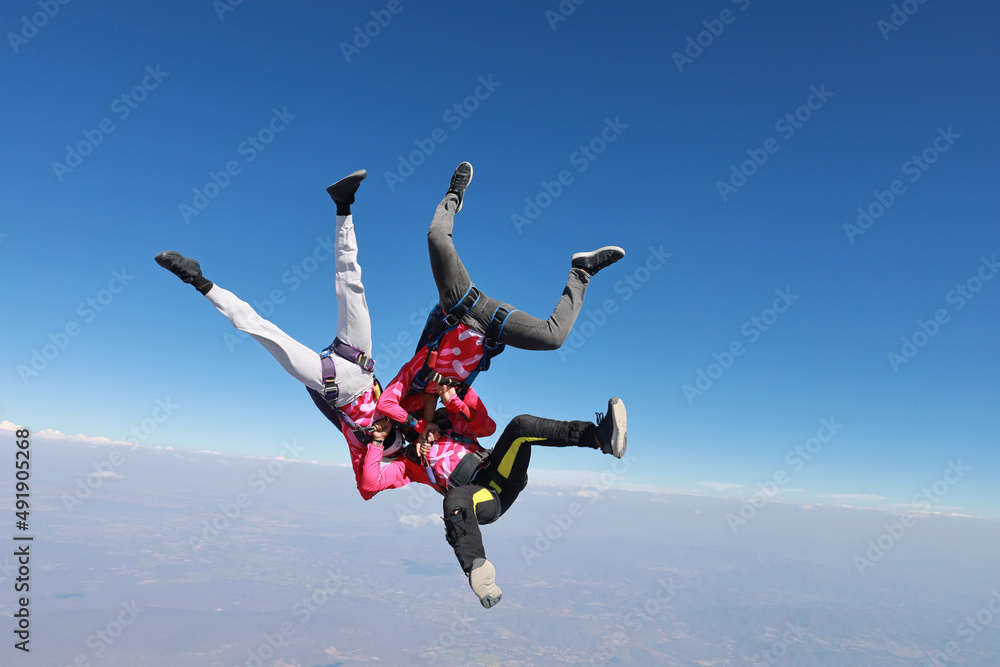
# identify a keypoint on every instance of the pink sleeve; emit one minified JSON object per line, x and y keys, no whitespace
{"x":374,"y":477}
{"x":388,"y":402}
{"x":471,"y":415}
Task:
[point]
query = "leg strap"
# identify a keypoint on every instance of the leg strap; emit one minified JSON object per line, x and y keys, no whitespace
{"x":491,"y":344}
{"x":351,"y":353}
{"x":464,"y":305}
{"x":330,"y":389}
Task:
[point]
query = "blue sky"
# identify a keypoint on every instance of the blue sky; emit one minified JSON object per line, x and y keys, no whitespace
{"x":197,"y":87}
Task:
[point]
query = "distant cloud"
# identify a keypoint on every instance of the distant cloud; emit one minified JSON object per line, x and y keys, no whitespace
{"x":107,"y":474}
{"x":49,"y":434}
{"x":854,"y":497}
{"x":921,"y":508}
{"x":782,"y":490}
{"x":548,"y":477}
{"x":719,"y":486}
{"x":419,"y":520}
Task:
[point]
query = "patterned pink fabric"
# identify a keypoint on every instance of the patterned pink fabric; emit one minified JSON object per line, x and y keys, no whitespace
{"x":374,"y":476}
{"x":445,"y":455}
{"x":459,"y":352}
{"x":359,"y":412}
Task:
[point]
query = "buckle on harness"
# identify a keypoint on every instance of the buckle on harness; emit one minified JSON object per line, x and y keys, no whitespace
{"x":331,"y":391}
{"x":350,"y":353}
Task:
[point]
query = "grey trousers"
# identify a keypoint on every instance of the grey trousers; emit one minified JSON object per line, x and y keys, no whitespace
{"x":521,"y":330}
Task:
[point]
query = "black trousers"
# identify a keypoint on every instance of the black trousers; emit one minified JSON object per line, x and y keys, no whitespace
{"x":521,"y":330}
{"x":501,"y":477}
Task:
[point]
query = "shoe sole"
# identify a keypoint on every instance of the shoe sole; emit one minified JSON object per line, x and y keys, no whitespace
{"x":461,"y":197}
{"x":482,"y":580}
{"x":619,"y":434}
{"x":360,"y":175}
{"x":593,"y":253}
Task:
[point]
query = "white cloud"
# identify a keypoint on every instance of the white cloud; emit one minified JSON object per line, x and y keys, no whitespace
{"x":50,"y":434}
{"x":854,"y":497}
{"x":419,"y":520}
{"x":106,"y":474}
{"x":719,"y":486}
{"x":780,"y":490}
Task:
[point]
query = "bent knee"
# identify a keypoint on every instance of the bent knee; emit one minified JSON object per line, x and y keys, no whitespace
{"x":457,"y":499}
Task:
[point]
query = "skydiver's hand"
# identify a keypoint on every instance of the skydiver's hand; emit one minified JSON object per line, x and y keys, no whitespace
{"x":428,"y":437}
{"x":381,"y":430}
{"x":423,"y":448}
{"x":446,"y":393}
{"x":431,"y":433}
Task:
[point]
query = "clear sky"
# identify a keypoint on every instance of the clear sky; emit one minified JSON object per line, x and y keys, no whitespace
{"x":727,"y":146}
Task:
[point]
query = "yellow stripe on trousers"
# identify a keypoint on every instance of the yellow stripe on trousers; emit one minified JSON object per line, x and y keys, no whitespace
{"x":508,"y":459}
{"x":481,"y":496}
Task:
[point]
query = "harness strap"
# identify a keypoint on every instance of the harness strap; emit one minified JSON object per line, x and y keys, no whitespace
{"x":443,"y":381}
{"x":454,"y":316}
{"x":451,"y":319}
{"x":466,"y":468}
{"x":427,"y":374}
{"x":491,"y":344}
{"x":352,"y":354}
{"x":331,"y":392}
{"x":337,"y":416}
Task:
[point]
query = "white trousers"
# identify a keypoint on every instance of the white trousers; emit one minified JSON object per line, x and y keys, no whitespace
{"x":353,"y":323}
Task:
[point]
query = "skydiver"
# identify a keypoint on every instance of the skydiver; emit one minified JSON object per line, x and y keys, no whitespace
{"x":477,"y":320}
{"x":480,"y":485}
{"x":344,"y":375}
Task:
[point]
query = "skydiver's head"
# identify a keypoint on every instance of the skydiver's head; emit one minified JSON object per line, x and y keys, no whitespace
{"x":393,"y":445}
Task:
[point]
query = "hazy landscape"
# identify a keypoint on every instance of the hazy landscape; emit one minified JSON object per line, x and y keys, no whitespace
{"x":298,"y":571}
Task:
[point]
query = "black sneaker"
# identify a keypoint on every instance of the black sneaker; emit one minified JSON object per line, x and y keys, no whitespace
{"x":481,"y":578}
{"x":342,"y":192}
{"x":459,"y":181}
{"x":595,"y":260}
{"x":611,"y":429}
{"x":185,"y":268}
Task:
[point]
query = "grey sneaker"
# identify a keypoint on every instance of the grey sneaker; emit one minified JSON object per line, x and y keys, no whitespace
{"x":481,"y":579}
{"x":460,"y":180}
{"x":343,"y":190}
{"x":611,"y":429}
{"x":595,"y":260}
